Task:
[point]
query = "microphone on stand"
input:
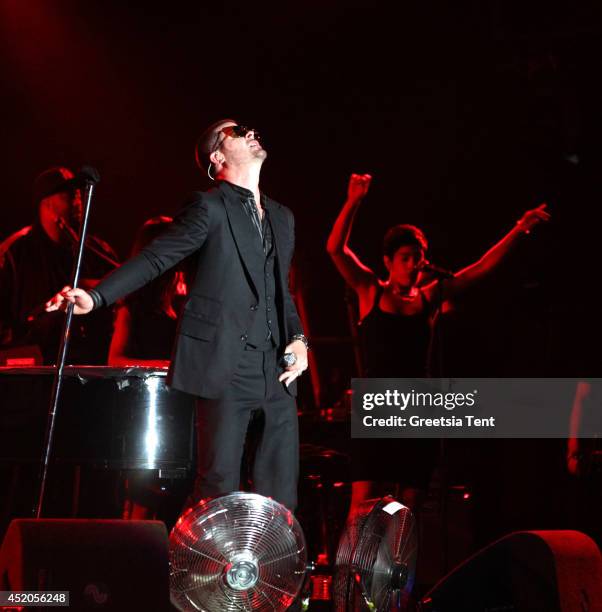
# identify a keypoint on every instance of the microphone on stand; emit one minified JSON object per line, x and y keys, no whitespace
{"x":86,"y":178}
{"x":437,"y":271}
{"x":90,"y":178}
{"x":88,"y":174}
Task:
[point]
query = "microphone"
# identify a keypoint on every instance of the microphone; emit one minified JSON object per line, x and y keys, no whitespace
{"x":437,"y":271}
{"x":88,"y":175}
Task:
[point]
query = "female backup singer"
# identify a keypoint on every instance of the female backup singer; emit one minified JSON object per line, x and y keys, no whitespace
{"x":145,"y":325}
{"x":396,"y":314}
{"x":396,"y":321}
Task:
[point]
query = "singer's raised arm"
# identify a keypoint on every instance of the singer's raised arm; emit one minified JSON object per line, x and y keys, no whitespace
{"x":494,"y":256}
{"x":356,"y":274}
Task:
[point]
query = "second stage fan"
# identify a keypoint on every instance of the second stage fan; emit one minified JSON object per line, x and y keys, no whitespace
{"x":376,"y":558}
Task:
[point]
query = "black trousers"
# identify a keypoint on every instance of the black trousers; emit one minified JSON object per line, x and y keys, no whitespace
{"x":222,"y":428}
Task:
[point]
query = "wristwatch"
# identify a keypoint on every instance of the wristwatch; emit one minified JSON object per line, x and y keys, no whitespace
{"x":302,"y":338}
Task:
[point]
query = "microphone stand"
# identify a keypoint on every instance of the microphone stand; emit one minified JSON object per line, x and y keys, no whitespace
{"x":91,"y":177}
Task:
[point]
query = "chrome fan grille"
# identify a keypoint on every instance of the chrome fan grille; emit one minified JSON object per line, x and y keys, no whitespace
{"x":238,"y":552}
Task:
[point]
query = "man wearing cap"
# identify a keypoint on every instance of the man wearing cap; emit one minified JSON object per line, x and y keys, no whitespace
{"x":37,"y":258}
{"x":239,"y":320}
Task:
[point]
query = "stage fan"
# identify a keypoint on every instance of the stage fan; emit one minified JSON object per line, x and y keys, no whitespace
{"x":238,"y":552}
{"x":376,"y":558}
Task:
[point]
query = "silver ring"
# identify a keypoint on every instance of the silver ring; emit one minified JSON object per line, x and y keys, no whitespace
{"x":289,"y":359}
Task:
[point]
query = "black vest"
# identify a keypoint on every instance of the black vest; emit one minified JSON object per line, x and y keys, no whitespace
{"x":265,"y":331}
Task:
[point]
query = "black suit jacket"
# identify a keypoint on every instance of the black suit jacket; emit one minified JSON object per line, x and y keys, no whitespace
{"x":222,"y":299}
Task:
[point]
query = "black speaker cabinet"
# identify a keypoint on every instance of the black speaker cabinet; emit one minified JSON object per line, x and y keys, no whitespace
{"x":530,"y":571}
{"x":104,"y":564}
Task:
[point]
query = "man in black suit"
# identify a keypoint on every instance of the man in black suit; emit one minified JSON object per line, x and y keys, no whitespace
{"x":239,"y":319}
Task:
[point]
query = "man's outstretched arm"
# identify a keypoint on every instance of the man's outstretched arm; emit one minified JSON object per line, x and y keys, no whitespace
{"x":185,"y":235}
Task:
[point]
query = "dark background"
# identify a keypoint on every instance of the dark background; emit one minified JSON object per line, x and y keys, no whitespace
{"x":466,"y":114}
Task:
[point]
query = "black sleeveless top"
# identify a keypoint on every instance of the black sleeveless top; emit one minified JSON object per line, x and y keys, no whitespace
{"x":396,"y":345}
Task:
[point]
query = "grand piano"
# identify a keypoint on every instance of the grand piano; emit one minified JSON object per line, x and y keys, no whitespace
{"x":121,"y":436}
{"x":118,"y":418}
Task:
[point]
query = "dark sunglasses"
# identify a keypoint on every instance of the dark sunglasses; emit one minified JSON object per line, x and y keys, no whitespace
{"x":239,"y":131}
{"x":235,"y":131}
